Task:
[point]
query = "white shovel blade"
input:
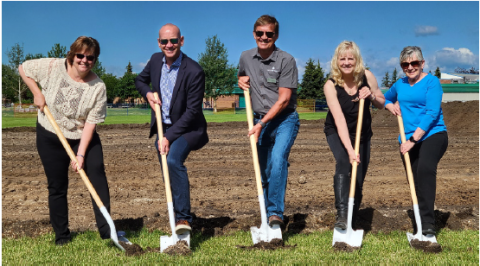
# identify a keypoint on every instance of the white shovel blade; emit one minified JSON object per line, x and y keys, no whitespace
{"x":352,"y":237}
{"x":265,"y":233}
{"x":113,"y":233}
{"x":167,"y":241}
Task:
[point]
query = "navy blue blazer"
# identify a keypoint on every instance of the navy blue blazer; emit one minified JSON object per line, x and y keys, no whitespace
{"x":187,"y":98}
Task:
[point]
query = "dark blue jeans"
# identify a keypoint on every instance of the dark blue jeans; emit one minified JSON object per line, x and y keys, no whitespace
{"x":179,"y":150}
{"x":274,"y":145}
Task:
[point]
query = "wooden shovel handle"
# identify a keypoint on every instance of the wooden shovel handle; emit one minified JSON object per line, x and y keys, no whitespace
{"x":253,"y":143}
{"x":72,"y":156}
{"x":408,"y":165}
{"x":358,"y":134}
{"x":166,"y":176}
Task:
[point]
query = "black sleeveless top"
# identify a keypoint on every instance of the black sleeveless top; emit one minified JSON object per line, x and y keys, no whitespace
{"x":350,"y":111}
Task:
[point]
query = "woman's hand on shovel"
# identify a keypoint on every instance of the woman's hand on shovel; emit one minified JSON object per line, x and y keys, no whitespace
{"x":74,"y":165}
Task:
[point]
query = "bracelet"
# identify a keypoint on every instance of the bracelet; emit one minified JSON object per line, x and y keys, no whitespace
{"x":81,"y":156}
{"x":374,"y":97}
{"x":261,"y":123}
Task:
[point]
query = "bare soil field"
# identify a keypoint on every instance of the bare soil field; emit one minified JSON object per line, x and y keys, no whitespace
{"x":223,"y":188}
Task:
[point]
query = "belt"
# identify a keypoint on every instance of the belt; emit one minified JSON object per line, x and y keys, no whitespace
{"x":284,"y":112}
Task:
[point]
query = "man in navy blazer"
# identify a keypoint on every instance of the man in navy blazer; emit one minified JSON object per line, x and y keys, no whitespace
{"x":180,"y":83}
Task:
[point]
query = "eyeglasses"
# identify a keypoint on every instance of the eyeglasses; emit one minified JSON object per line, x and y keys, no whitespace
{"x":89,"y":57}
{"x":413,"y":63}
{"x":165,"y":41}
{"x":269,"y":33}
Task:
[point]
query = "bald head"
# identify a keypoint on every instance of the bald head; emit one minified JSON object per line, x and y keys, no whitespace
{"x":169,"y":28}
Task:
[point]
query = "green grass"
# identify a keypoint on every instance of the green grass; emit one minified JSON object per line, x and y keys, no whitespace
{"x":138,"y":116}
{"x":459,"y":248}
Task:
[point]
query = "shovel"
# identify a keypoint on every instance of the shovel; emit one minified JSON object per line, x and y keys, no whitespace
{"x":349,"y":236}
{"x":419,"y":236}
{"x":265,"y":233}
{"x":167,"y":241}
{"x":113,"y":233}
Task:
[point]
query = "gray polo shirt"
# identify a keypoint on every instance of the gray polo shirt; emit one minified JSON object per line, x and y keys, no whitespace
{"x":267,"y":75}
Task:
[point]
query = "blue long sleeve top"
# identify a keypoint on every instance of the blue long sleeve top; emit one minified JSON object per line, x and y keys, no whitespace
{"x":420,"y":105}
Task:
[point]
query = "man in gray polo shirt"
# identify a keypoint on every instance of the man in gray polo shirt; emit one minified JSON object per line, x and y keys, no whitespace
{"x":272,"y":76}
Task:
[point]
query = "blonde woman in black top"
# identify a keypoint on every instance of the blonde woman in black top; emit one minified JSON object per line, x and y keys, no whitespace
{"x":349,"y":82}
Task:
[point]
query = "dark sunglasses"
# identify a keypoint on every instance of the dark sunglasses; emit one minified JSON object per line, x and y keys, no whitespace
{"x":413,"y":63}
{"x":165,"y":41}
{"x":89,"y":57}
{"x":260,"y":33}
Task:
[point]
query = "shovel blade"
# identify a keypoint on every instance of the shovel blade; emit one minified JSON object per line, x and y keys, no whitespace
{"x":352,"y":237}
{"x":265,"y":233}
{"x":168,"y":241}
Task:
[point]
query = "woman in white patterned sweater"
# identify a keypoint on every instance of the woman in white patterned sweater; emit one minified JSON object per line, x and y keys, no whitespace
{"x":77,"y":99}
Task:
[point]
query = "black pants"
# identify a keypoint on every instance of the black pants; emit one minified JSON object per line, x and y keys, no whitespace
{"x":424,"y":158}
{"x":344,"y":167}
{"x":56,"y":162}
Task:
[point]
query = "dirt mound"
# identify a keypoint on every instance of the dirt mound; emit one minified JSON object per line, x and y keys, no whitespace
{"x":222,"y":181}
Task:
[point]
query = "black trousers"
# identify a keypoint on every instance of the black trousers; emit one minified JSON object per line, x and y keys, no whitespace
{"x":344,"y":167}
{"x":424,"y":158}
{"x":56,"y":162}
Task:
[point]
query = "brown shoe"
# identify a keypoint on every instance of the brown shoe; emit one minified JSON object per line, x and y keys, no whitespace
{"x":182,"y":226}
{"x":275,"y":219}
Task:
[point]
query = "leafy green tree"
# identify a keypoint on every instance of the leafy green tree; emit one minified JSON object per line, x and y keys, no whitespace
{"x":394,"y":77}
{"x":15,"y":59}
{"x":312,"y":82}
{"x":220,"y":77}
{"x":9,"y":83}
{"x":98,"y":68}
{"x":111,"y":82}
{"x":386,"y":80}
{"x":125,"y":87}
{"x":31,"y":56}
{"x":57,"y":51}
{"x":438,"y":74}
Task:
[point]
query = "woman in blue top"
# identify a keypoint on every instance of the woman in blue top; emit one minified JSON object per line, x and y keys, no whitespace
{"x":419,"y":97}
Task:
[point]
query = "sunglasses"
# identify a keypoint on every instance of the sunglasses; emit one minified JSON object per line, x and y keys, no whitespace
{"x":89,"y":57}
{"x":165,"y":41}
{"x":413,"y":63}
{"x":260,"y":33}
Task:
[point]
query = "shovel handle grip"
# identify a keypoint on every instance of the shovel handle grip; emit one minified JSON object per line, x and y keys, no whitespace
{"x":253,"y":143}
{"x":72,"y":156}
{"x":408,"y":165}
{"x":358,"y":134}
{"x":166,"y":176}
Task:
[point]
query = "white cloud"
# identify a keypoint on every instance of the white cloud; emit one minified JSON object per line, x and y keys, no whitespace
{"x":426,"y":31}
{"x":393,"y":62}
{"x":448,"y":59}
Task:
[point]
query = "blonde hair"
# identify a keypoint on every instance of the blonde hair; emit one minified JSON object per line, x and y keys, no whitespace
{"x":359,"y":70}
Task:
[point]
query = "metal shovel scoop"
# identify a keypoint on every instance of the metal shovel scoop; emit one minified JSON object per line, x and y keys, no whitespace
{"x":419,"y":236}
{"x":265,"y":233}
{"x":349,"y":236}
{"x":167,"y":241}
{"x":103,"y":210}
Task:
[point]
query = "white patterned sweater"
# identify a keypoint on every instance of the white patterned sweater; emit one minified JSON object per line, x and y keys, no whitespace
{"x":71,"y":103}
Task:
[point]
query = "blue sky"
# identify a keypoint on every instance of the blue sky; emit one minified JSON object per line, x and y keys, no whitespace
{"x":447,"y":32}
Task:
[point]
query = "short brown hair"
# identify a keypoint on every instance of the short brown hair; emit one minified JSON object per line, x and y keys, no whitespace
{"x":265,"y":20}
{"x":83,"y":42}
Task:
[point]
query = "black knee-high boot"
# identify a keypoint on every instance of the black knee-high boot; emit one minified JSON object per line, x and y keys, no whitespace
{"x":341,"y":185}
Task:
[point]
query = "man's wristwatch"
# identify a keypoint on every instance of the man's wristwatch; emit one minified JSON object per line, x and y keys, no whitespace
{"x":412,"y":140}
{"x":261,"y":123}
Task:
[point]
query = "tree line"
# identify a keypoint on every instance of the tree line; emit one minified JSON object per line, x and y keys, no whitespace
{"x":220,"y":76}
